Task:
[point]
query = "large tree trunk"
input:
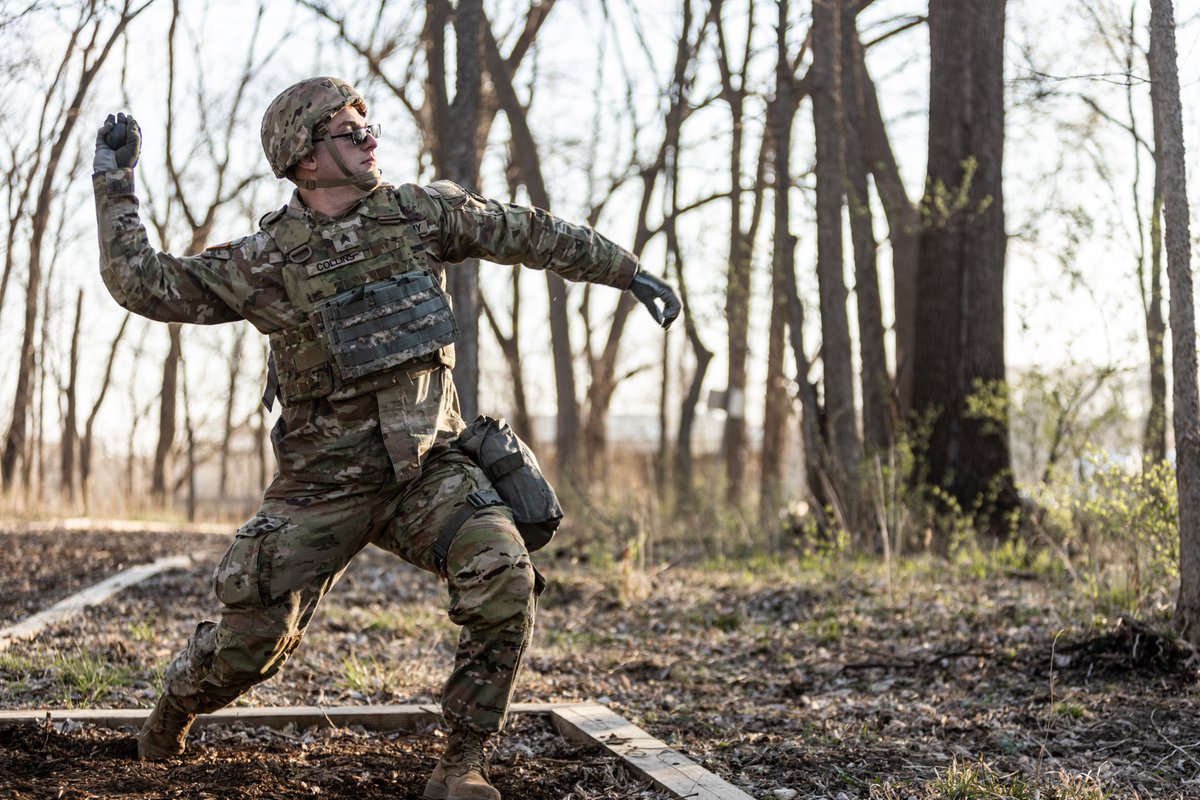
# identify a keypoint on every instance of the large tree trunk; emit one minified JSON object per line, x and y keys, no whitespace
{"x":463,"y":155}
{"x":835,"y":325}
{"x":1164,"y":93}
{"x":960,"y":318}
{"x":874,"y":381}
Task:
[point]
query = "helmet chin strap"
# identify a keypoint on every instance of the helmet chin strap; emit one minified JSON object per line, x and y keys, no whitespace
{"x":365,"y":181}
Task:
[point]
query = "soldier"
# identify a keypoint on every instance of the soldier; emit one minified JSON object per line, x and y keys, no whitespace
{"x":346,"y":282}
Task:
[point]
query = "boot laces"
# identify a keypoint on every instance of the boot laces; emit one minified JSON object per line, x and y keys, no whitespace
{"x":172,"y":716}
{"x":472,"y":754}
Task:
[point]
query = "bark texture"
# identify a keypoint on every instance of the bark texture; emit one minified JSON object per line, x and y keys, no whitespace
{"x":959,"y":366}
{"x":1168,"y":113}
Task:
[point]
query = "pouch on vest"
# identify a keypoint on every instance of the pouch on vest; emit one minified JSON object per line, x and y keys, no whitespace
{"x":384,"y":325}
{"x":514,"y":472}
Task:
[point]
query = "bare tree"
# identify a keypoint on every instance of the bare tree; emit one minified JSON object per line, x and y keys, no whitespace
{"x":198,"y":215}
{"x":904,"y":224}
{"x":70,"y":434}
{"x":874,"y":382}
{"x":683,"y":462}
{"x":464,"y":153}
{"x":166,"y":413}
{"x":777,"y":402}
{"x":89,"y":45}
{"x":734,"y":92}
{"x":1168,"y":116}
{"x":235,"y":369}
{"x":838,"y":375}
{"x":85,"y":445}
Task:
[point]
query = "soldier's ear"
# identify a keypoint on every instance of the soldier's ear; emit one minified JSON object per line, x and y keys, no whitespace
{"x":307,"y":161}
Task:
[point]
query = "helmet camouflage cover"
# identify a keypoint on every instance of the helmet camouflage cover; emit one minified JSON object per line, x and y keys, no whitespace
{"x":287,"y":126}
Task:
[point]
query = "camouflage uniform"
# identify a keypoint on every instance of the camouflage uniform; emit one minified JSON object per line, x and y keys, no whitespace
{"x":354,"y":469}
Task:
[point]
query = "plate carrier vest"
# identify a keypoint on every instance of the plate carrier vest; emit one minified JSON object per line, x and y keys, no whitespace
{"x":375,"y":311}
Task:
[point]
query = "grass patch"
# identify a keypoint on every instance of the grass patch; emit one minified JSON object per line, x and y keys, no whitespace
{"x":369,"y":677}
{"x":86,"y":676}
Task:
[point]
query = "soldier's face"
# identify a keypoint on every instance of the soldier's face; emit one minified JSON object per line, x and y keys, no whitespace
{"x":358,"y":157}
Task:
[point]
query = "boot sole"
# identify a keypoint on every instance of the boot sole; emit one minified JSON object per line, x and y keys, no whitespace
{"x":435,"y":790}
{"x":154,"y":754}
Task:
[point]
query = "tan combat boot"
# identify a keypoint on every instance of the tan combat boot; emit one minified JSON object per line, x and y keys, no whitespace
{"x":462,"y":772}
{"x":164,"y":734}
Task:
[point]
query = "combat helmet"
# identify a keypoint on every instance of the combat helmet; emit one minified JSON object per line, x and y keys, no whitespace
{"x":297,"y":115}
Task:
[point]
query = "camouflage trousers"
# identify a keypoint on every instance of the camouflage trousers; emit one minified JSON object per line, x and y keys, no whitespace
{"x":291,"y":553}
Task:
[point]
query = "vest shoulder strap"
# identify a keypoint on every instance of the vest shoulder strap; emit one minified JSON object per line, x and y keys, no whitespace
{"x":289,"y":233}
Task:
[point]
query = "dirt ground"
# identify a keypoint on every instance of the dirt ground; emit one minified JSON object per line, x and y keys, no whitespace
{"x":788,"y":682}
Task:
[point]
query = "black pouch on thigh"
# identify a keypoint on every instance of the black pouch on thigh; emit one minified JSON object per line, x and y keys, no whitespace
{"x":516,"y":476}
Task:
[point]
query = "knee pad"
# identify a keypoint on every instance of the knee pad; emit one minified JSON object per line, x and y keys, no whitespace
{"x":490,"y":576}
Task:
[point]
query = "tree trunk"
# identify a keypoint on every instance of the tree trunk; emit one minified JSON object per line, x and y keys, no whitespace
{"x":190,"y":431}
{"x":777,"y":402}
{"x":235,"y":365}
{"x":904,"y":227}
{"x":85,"y":446}
{"x":835,"y":325}
{"x":1164,"y":93}
{"x":683,"y":464}
{"x":463,"y":155}
{"x":166,"y":415}
{"x":960,"y":320}
{"x":70,"y":433}
{"x":874,"y":381}
{"x":737,"y":290}
{"x":1154,"y":449}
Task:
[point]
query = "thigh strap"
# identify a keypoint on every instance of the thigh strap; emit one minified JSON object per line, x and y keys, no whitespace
{"x":476,"y":502}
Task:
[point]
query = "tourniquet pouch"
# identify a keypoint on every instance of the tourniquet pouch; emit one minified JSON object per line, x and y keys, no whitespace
{"x":514,"y":472}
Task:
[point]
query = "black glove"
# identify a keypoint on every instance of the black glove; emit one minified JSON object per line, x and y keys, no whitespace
{"x":647,"y":289}
{"x":118,"y":143}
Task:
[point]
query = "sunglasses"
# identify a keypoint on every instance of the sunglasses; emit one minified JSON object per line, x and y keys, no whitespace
{"x":359,"y":135}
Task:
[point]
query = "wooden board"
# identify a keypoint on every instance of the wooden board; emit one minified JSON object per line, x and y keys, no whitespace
{"x":588,"y":723}
{"x":646,"y":757}
{"x":90,"y":525}
{"x":91,"y":596}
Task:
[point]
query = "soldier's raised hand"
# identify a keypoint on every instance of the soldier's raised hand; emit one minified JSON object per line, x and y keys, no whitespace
{"x":118,"y":143}
{"x":647,"y":288}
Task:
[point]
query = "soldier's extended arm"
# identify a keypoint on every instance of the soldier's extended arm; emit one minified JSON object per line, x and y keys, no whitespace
{"x":157,"y":285}
{"x":474,"y":227}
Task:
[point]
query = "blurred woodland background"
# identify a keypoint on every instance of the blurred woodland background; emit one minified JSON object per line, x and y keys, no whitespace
{"x":921,"y":247}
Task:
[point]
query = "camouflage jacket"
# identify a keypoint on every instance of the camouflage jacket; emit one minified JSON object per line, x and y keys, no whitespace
{"x":379,"y":436}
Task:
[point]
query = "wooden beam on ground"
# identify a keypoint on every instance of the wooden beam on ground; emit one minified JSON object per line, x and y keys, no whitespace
{"x":646,"y":757}
{"x":376,"y":718}
{"x":586,"y":723}
{"x":90,"y":525}
{"x":91,"y":596}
